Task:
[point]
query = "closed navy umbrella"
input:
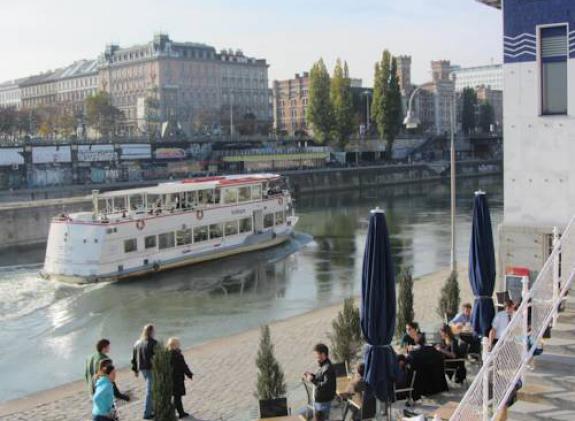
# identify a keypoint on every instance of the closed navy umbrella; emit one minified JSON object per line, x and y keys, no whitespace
{"x":378,"y":309}
{"x":482,"y":266}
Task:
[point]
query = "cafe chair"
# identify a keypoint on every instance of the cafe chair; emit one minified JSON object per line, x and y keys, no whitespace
{"x":406,"y":393}
{"x":271,"y":408}
{"x":310,"y":405}
{"x":341,"y":369}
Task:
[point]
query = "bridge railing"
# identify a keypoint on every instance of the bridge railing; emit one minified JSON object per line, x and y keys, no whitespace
{"x":504,"y":366}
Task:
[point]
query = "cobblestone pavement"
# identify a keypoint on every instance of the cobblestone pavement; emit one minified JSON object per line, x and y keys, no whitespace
{"x":224,"y":369}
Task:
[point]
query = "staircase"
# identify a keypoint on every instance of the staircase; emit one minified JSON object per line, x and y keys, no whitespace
{"x":549,"y":389}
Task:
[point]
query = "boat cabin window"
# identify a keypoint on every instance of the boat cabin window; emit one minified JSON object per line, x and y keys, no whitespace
{"x":136,"y":202}
{"x":184,"y":237}
{"x":206,"y":197}
{"x":279,"y":218}
{"x":153,"y":201}
{"x":245,"y":225}
{"x":166,"y":240}
{"x":230,"y":196}
{"x":257,"y":192}
{"x":216,"y":231}
{"x":119,"y":204}
{"x":150,"y":242}
{"x":268,"y":220}
{"x":200,"y":234}
{"x":244,"y":194}
{"x":231,"y":228}
{"x":130,"y":245}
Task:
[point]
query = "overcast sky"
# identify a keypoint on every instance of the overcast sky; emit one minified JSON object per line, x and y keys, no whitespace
{"x":39,"y":35}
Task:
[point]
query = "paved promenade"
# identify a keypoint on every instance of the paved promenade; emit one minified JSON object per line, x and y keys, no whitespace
{"x":225,"y":374}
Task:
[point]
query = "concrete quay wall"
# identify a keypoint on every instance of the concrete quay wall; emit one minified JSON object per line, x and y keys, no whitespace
{"x":27,"y":223}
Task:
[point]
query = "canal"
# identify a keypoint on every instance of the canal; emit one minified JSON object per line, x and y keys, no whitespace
{"x":49,"y":329}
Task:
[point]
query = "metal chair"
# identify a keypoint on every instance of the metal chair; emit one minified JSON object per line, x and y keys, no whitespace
{"x":310,"y":405}
{"x":408,"y":391}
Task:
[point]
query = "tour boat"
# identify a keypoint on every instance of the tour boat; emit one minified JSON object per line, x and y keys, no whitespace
{"x":139,"y":231}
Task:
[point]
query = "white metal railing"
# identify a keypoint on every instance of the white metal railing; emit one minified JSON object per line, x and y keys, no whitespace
{"x":504,"y":366}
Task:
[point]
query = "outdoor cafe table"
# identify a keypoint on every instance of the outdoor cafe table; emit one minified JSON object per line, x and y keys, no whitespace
{"x":286,"y":418}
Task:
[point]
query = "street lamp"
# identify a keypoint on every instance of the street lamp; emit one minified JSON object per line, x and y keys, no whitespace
{"x":411,"y":121}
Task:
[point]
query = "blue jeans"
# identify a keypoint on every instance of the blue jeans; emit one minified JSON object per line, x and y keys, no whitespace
{"x":148,"y":405}
{"x":101,"y":418}
{"x":324,"y":408}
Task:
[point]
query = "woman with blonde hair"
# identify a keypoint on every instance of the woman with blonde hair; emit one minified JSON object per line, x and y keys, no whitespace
{"x":142,"y":362}
{"x":180,"y":371}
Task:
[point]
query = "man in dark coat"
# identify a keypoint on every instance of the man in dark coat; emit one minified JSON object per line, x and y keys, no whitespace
{"x":179,"y":374}
{"x":324,"y":382}
{"x":142,"y":355}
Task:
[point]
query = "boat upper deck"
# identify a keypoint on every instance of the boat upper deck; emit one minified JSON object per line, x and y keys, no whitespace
{"x":179,"y":196}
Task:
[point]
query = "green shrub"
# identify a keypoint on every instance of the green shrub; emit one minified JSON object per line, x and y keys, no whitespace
{"x":346,"y":337}
{"x":162,"y":385}
{"x":270,"y":381}
{"x":405,"y":313}
{"x":449,"y":298}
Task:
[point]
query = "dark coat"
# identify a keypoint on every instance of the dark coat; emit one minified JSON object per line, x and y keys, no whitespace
{"x":179,"y":373}
{"x":142,"y":354}
{"x":325,"y":383}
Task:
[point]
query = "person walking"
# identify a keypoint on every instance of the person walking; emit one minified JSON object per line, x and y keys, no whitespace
{"x":103,"y":406}
{"x":142,"y":362}
{"x":179,"y":374}
{"x":93,"y":363}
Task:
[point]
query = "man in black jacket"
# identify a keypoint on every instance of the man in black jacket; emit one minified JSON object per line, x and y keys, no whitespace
{"x":324,"y":382}
{"x":142,"y":362}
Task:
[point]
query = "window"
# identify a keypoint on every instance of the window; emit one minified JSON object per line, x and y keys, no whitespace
{"x":231,"y":228}
{"x":257,"y":192}
{"x":216,"y":231}
{"x":244,"y":194}
{"x":268,"y":220}
{"x":166,"y":240}
{"x":150,"y":242}
{"x":245,"y":225}
{"x":200,"y":234}
{"x":130,"y":245}
{"x":230,"y":196}
{"x":184,"y":237}
{"x":554,"y":53}
{"x":279,"y":218}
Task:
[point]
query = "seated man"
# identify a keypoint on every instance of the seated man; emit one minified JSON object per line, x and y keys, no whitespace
{"x":462,"y":318}
{"x":355,"y":390}
{"x":500,"y":322}
{"x":324,"y":382}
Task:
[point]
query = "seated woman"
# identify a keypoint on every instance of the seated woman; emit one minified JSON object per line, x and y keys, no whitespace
{"x":451,"y":350}
{"x":412,"y":338}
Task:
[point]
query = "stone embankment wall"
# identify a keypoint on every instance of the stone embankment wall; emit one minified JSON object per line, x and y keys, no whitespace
{"x":27,"y":223}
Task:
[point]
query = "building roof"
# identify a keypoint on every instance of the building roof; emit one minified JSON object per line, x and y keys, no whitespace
{"x":493,"y":3}
{"x":80,"y":68}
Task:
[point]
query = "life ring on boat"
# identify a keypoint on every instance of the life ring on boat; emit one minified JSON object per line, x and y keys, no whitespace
{"x":281,"y":201}
{"x":140,"y":224}
{"x":200,"y":214}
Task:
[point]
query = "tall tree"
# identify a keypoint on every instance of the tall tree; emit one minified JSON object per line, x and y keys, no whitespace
{"x":386,"y":102}
{"x":342,"y":103}
{"x":270,"y":379}
{"x":405,"y":313}
{"x":486,"y":117}
{"x":319,"y":110}
{"x":101,"y":114}
{"x":469,"y":102}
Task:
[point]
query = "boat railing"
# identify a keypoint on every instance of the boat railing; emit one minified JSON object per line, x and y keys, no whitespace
{"x":504,"y":366}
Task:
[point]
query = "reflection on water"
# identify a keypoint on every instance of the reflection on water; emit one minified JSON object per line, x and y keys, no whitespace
{"x":46,"y":322}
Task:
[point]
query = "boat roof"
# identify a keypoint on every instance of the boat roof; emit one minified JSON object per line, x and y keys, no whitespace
{"x":192,"y":184}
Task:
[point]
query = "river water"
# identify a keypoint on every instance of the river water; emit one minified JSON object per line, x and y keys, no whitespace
{"x":48,"y":329}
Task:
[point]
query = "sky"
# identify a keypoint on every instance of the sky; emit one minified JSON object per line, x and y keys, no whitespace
{"x":40,"y":35}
